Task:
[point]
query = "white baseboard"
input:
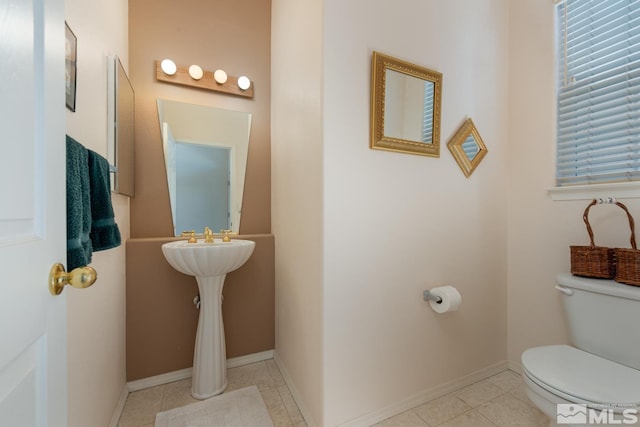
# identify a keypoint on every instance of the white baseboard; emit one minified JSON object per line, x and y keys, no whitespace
{"x":425,"y":396}
{"x":117,"y":412}
{"x":397,"y":407}
{"x":363,"y":421}
{"x":234,"y":362}
{"x":515,"y":366}
{"x":183,"y":374}
{"x":294,"y":392}
{"x":156,"y":380}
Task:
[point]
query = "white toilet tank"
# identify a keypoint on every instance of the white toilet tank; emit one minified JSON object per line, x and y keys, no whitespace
{"x":603,"y":317}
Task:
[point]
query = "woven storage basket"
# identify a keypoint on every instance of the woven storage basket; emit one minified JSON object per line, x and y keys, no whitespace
{"x":602,"y":262}
{"x":628,"y":266}
{"x":628,"y":261}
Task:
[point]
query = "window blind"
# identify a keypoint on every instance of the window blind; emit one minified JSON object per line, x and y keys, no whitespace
{"x":427,"y":117}
{"x":598,"y":104}
{"x":470,"y":147}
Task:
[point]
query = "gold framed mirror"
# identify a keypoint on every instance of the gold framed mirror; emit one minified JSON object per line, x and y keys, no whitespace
{"x":467,"y":147}
{"x":405,"y":106}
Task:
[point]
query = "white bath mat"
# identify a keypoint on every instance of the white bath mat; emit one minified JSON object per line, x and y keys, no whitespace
{"x":239,"y":408}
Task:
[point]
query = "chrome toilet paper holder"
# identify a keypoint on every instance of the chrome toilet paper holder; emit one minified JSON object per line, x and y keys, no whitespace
{"x":428,"y":296}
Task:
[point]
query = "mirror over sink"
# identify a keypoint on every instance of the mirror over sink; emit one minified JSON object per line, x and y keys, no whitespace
{"x":205,"y":151}
{"x":405,"y":106}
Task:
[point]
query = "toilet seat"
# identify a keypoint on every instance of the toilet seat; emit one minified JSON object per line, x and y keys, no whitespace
{"x":581,"y":377}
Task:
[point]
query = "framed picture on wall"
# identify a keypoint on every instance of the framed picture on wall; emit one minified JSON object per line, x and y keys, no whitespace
{"x":70,"y":64}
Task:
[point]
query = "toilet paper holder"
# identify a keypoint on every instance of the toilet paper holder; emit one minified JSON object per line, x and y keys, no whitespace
{"x":428,"y":296}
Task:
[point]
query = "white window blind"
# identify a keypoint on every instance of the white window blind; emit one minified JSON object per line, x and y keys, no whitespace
{"x":598,"y":135}
{"x":427,"y":117}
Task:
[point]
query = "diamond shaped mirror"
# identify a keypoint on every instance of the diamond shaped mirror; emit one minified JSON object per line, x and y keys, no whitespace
{"x":467,"y":147}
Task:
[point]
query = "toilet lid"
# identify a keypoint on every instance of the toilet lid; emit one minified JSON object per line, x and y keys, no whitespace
{"x":581,"y":376}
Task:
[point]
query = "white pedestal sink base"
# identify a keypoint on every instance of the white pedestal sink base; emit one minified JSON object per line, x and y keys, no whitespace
{"x":209,"y":262}
{"x":210,"y":356}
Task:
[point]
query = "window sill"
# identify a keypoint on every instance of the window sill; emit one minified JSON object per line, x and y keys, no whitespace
{"x":619,"y":190}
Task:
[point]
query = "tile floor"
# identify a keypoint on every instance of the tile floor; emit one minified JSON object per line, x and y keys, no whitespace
{"x":497,"y":401}
{"x":141,"y":406}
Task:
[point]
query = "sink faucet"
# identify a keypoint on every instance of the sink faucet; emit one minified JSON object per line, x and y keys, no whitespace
{"x":208,"y":235}
{"x":225,"y":235}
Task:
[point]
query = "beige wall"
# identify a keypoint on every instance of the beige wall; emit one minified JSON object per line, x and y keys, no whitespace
{"x":541,"y":230}
{"x":373,"y":229}
{"x":96,"y":316}
{"x":233,"y":36}
{"x":396,"y":224}
{"x":297,"y":194}
{"x":162,"y":319}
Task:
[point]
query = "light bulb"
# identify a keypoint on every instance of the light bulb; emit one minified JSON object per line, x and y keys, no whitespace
{"x":169,"y":67}
{"x":220,"y":76}
{"x":244,"y":83}
{"x":195,"y":71}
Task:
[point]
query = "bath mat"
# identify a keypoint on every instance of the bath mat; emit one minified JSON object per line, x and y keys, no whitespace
{"x":239,"y":408}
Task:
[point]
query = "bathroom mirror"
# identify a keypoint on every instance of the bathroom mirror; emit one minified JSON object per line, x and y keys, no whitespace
{"x":467,"y":147}
{"x":405,"y":106}
{"x":120,"y":128}
{"x":205,"y":151}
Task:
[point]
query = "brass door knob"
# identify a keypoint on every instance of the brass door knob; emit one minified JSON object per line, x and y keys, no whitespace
{"x":80,"y":278}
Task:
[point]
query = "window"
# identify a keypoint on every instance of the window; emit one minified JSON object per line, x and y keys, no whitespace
{"x":598,"y":134}
{"x":427,"y":116}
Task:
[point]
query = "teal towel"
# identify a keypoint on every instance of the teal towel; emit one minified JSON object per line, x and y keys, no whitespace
{"x":105,"y":233}
{"x":78,"y":206}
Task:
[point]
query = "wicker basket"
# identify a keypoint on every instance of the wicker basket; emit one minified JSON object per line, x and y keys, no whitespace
{"x":604,"y":263}
{"x":628,"y":266}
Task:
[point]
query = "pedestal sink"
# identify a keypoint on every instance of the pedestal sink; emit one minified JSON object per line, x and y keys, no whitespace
{"x":209,"y":263}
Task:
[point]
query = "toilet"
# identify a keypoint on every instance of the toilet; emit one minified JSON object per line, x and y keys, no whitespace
{"x":597,"y":379}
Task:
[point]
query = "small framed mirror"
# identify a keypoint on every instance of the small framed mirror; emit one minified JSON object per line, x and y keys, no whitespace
{"x":405,"y":106}
{"x":467,"y":147}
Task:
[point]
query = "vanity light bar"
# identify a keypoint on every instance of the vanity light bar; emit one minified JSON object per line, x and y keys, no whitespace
{"x":240,"y":86}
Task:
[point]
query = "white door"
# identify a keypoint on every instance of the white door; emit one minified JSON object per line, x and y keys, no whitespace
{"x":33,"y":347}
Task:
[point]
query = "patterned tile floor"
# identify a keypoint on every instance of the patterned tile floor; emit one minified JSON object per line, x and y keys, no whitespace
{"x":497,"y":401}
